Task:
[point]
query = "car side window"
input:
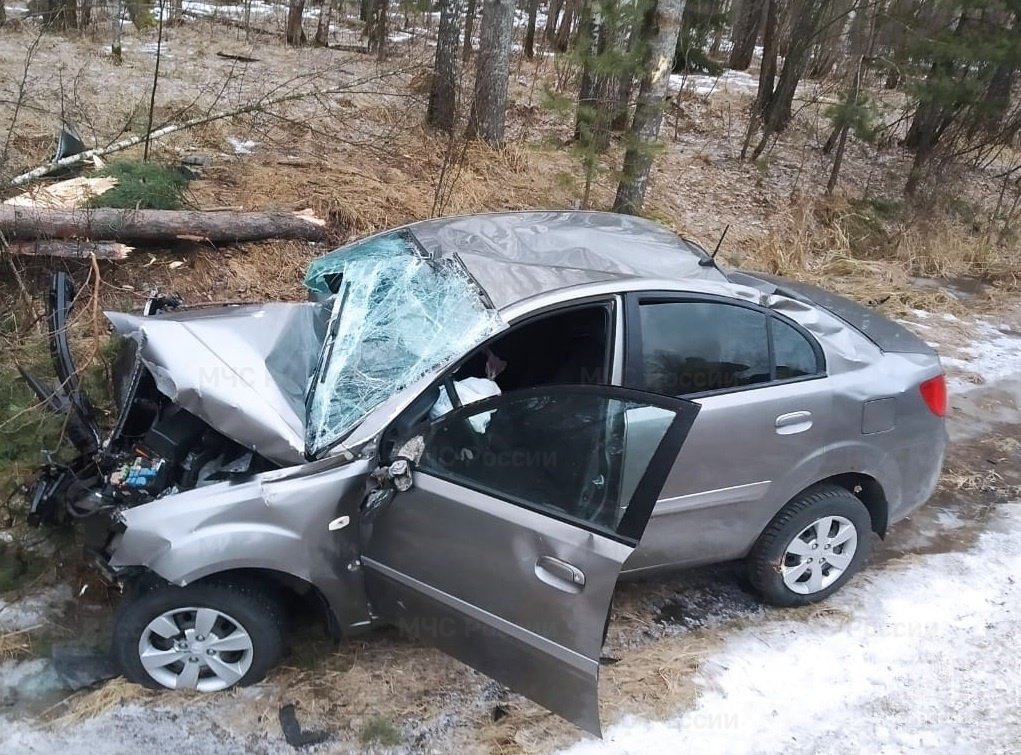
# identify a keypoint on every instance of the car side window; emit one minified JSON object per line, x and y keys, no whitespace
{"x":578,"y":456}
{"x":692,"y":347}
{"x":793,"y":354}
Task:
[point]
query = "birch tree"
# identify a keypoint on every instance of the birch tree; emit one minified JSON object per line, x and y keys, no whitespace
{"x":663,"y":26}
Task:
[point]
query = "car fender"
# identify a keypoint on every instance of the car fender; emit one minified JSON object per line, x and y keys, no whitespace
{"x":305,"y":526}
{"x":842,"y":457}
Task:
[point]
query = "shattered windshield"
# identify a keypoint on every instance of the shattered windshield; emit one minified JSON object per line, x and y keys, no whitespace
{"x":395,"y":315}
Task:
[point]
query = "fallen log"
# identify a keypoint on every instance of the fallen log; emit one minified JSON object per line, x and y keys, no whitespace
{"x":75,"y":249}
{"x":156,"y":226}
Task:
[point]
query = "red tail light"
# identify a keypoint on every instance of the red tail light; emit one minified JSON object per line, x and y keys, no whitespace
{"x":934,"y":392}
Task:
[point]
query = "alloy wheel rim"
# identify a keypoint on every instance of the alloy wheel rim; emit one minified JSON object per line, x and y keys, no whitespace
{"x":819,"y":555}
{"x":196,"y":648}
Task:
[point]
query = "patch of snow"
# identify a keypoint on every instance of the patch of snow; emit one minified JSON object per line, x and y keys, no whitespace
{"x":925,"y":663}
{"x":242,"y":147}
{"x":728,"y":81}
{"x":32,"y":610}
{"x":994,"y":353}
{"x":130,"y":729}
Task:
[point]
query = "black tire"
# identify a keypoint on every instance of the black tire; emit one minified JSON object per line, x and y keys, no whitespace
{"x":767,"y":557}
{"x":254,"y":608}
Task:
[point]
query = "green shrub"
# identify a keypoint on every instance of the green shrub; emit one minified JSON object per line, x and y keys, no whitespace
{"x":145,"y":186}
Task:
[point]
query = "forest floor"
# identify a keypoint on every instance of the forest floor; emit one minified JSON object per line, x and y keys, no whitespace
{"x":905,"y":658}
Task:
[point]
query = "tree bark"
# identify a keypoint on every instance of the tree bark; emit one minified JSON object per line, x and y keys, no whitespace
{"x":775,"y":106}
{"x":376,"y":28}
{"x":116,"y":28}
{"x":469,"y":29}
{"x":104,"y":250}
{"x":322,"y":37}
{"x":533,"y":13}
{"x":489,"y":111}
{"x":295,"y":32}
{"x":442,"y":110}
{"x":155,"y":226}
{"x":664,"y":26}
{"x":748,"y":15}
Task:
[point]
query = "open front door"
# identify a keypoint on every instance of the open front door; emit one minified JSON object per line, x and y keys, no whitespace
{"x":505,"y":550}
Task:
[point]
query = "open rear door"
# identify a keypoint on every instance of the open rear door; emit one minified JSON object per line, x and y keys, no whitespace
{"x":505,"y":550}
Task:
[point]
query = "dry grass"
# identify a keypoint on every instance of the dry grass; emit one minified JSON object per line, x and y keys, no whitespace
{"x":115,"y":693}
{"x":16,"y":645}
{"x":829,"y":243}
{"x":970,"y":480}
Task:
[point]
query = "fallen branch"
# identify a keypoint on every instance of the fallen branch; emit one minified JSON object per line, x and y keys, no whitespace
{"x":156,"y":226}
{"x":234,"y":56}
{"x":159,"y":133}
{"x":104,"y":250}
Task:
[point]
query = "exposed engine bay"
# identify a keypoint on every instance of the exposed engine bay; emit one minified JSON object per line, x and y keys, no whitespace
{"x":155,"y":449}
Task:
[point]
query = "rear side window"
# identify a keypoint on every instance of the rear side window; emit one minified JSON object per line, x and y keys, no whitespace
{"x":792,"y":352}
{"x":692,"y":347}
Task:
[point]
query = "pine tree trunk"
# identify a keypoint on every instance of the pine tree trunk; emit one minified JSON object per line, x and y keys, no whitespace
{"x":662,"y":33}
{"x":562,"y":42}
{"x":376,"y":28}
{"x":777,"y":110}
{"x":322,"y":37}
{"x":115,"y":26}
{"x":552,"y":17}
{"x":469,"y":29}
{"x":489,"y":112}
{"x":748,"y":18}
{"x":295,"y":32}
{"x":585,"y":50}
{"x":442,"y":111}
{"x":533,"y":13}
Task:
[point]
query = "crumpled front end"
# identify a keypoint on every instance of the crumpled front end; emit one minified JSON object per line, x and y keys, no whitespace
{"x":203,"y":397}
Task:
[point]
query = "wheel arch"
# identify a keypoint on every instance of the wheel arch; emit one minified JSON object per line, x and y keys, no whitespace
{"x":865,"y":488}
{"x":294,"y":591}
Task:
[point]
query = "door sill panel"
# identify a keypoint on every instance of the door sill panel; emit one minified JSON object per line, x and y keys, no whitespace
{"x":705,"y":499}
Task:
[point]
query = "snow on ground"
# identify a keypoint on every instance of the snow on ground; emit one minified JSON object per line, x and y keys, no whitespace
{"x":995,"y":354}
{"x":32,"y":610}
{"x":992,"y":350}
{"x":926,"y":661}
{"x":728,"y":81}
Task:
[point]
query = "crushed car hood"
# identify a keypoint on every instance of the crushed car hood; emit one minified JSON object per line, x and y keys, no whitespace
{"x":243,"y":370}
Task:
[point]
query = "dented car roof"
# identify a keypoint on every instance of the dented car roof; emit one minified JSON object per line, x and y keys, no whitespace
{"x":517,"y":255}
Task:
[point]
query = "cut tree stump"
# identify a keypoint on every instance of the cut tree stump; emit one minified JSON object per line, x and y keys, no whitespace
{"x":157,"y":226}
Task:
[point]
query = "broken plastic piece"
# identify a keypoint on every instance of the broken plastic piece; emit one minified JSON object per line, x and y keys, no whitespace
{"x":68,"y":143}
{"x":396,"y":316}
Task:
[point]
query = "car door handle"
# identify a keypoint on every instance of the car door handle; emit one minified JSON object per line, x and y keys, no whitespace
{"x":559,"y":574}
{"x":794,"y":422}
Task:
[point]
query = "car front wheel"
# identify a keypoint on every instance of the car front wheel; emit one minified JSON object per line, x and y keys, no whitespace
{"x":206,"y":636}
{"x":811,"y":548}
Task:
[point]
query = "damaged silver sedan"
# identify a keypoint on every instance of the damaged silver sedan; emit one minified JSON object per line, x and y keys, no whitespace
{"x":466,"y":432}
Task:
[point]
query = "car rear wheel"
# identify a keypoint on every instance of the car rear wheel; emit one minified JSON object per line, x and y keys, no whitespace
{"x":811,"y":548}
{"x":206,"y":637}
